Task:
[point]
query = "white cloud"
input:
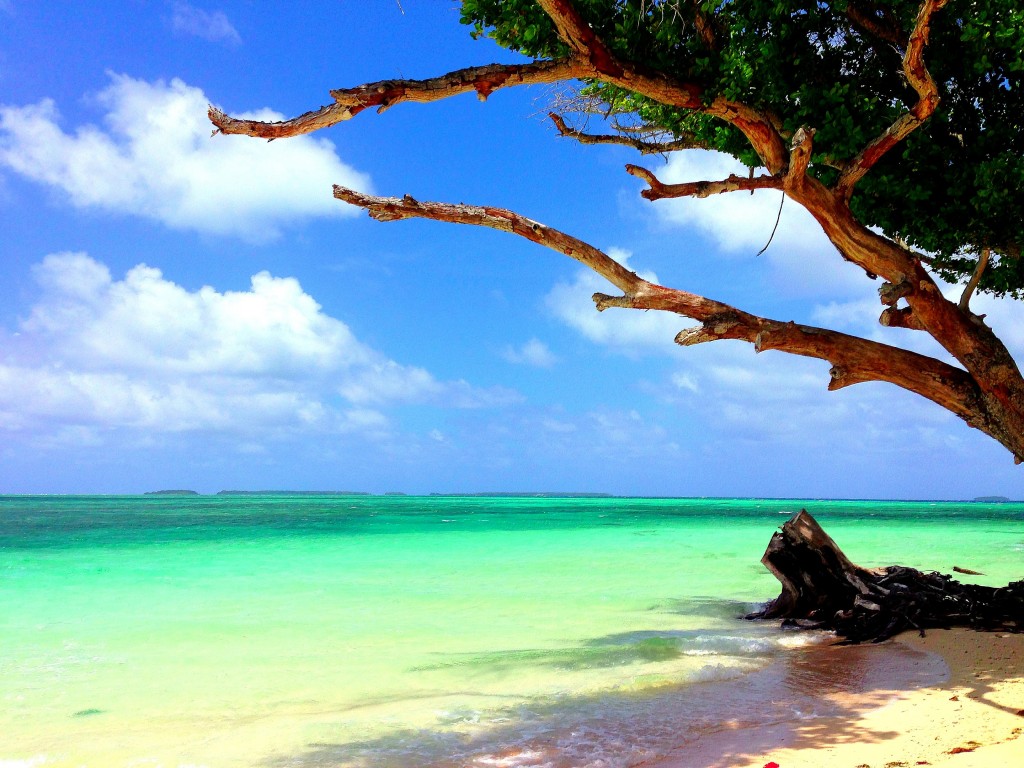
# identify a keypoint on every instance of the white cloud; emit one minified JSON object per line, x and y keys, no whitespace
{"x":212,"y":26}
{"x":155,"y":158}
{"x":533,"y":352}
{"x":741,"y":224}
{"x":145,"y":353}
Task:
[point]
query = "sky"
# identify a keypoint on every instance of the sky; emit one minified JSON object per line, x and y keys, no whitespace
{"x":194,"y":312}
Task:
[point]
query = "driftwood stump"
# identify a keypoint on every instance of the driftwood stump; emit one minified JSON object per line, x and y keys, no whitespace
{"x":822,"y":589}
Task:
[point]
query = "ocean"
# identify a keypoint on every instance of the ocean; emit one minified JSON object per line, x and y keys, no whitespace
{"x":385,"y":631}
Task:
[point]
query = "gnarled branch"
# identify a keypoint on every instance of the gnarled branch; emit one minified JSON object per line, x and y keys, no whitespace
{"x":645,"y":147}
{"x":853,"y":359}
{"x":383,"y":94}
{"x":394,"y":208}
{"x":928,"y":99}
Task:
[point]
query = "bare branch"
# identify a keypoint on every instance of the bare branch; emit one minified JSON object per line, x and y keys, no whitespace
{"x":386,"y":93}
{"x":928,"y":99}
{"x":734,"y":183}
{"x":645,"y":147}
{"x":853,"y":359}
{"x":393,"y":209}
{"x":972,"y":284}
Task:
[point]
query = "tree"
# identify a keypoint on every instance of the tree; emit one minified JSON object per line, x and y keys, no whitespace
{"x":897,"y":125}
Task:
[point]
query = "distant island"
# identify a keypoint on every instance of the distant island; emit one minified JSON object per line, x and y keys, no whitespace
{"x":532,"y":495}
{"x":293,"y":493}
{"x":992,"y":499}
{"x":171,"y":493}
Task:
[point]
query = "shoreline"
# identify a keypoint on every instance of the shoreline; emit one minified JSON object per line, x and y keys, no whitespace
{"x":973,"y":717}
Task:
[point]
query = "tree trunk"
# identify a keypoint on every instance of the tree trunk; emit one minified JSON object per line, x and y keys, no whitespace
{"x":822,"y":589}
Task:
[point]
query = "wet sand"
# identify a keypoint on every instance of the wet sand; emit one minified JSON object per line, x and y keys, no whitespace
{"x":972,"y":716}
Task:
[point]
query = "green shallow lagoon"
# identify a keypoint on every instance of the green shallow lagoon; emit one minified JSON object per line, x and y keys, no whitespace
{"x":394,"y":631}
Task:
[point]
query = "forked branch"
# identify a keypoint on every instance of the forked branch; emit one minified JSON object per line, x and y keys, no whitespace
{"x":928,"y":99}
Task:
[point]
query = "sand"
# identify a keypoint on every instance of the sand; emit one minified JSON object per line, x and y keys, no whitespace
{"x":970,"y":715}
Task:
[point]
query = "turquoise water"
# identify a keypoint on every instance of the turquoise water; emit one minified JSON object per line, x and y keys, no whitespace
{"x":395,"y":631}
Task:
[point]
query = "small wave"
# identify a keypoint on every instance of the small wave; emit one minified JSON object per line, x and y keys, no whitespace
{"x":32,"y":762}
{"x":511,"y":759}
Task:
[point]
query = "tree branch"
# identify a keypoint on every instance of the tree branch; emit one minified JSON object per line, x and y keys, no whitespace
{"x":587,"y":46}
{"x":865,"y":17}
{"x":581,"y":38}
{"x":349,"y":102}
{"x":394,"y":209}
{"x":591,"y":59}
{"x":706,"y":26}
{"x":928,"y":99}
{"x":853,"y":359}
{"x":645,"y":147}
{"x":659,"y":191}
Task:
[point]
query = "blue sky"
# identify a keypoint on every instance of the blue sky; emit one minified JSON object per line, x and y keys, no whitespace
{"x":181,"y":311}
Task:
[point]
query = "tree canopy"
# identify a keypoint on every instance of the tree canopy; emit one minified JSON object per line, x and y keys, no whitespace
{"x":952,"y":189}
{"x":897,"y":125}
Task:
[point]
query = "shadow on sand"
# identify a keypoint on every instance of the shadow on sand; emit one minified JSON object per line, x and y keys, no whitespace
{"x":803,"y":693}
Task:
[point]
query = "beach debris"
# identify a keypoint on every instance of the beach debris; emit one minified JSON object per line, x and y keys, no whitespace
{"x":970,"y":746}
{"x":823,"y":589}
{"x":968,"y":571}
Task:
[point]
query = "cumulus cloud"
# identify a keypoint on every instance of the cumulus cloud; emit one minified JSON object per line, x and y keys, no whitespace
{"x":212,"y":26}
{"x":143,"y":352}
{"x":533,"y":352}
{"x":154,"y":158}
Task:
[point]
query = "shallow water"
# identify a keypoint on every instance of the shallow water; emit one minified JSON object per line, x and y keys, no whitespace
{"x":395,"y":631}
